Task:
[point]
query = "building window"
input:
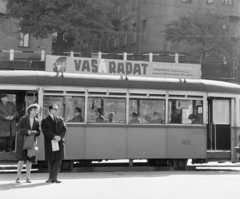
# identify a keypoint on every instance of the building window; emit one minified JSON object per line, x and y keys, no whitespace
{"x":126,"y":5}
{"x":24,"y":40}
{"x":144,"y":25}
{"x":116,"y":41}
{"x":125,"y":39}
{"x":134,"y":28}
{"x":187,"y":1}
{"x":124,"y":36}
{"x":209,"y":1}
{"x":227,"y":2}
{"x":134,"y":4}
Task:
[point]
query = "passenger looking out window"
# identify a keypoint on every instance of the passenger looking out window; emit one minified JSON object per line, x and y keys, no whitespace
{"x":135,"y":119}
{"x":78,"y":115}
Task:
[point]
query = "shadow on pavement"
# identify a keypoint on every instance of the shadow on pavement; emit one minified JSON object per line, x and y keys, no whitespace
{"x":7,"y":181}
{"x":13,"y":185}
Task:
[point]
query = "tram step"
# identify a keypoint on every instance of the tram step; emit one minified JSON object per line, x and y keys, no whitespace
{"x":7,"y":156}
{"x":219,"y":155}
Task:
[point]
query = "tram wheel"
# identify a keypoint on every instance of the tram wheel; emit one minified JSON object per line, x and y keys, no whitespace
{"x":67,"y":165}
{"x":180,"y":164}
{"x":151,"y":162}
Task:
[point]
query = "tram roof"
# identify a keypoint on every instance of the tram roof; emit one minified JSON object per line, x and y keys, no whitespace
{"x":42,"y":78}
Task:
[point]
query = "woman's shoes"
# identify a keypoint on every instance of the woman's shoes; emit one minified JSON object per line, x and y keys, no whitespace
{"x":28,"y":180}
{"x":17,"y":180}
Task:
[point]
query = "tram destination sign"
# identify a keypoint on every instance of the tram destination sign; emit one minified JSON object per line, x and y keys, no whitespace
{"x":122,"y":67}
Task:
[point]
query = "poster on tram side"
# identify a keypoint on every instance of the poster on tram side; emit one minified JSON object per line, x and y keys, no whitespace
{"x":83,"y":65}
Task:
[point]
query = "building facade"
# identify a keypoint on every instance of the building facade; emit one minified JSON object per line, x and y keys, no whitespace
{"x":140,"y":25}
{"x":12,"y":38}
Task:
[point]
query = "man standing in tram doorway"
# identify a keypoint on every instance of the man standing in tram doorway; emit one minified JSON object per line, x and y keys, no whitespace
{"x":54,"y":130}
{"x":8,"y":115}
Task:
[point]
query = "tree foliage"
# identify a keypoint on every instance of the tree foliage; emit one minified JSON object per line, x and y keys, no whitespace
{"x":41,"y":18}
{"x":206,"y":34}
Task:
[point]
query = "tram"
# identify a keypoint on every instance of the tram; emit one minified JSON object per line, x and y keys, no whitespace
{"x":171,"y":141}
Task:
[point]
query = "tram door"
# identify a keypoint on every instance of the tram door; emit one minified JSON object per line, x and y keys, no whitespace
{"x":24,"y":99}
{"x":219,"y":134}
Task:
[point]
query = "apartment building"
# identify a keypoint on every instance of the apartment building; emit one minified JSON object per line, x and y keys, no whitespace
{"x":140,"y":23}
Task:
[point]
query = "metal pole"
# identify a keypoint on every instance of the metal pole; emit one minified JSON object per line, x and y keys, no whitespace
{"x":42,"y":55}
{"x":150,"y":57}
{"x":99,"y":55}
{"x":124,"y":56}
{"x":176,"y":58}
{"x":11,"y":55}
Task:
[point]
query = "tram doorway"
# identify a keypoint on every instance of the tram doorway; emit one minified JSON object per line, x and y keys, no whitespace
{"x":22,"y":99}
{"x":219,"y":120}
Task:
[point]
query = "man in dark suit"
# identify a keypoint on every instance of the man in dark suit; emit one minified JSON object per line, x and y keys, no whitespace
{"x":54,"y":129}
{"x":8,"y":115}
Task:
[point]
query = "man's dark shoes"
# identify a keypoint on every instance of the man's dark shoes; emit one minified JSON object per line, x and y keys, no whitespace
{"x":48,"y":181}
{"x":55,"y":181}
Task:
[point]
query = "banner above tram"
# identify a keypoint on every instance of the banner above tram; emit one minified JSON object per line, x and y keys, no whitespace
{"x":122,"y":67}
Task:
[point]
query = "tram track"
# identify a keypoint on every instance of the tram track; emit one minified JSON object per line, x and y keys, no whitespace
{"x":124,"y":167}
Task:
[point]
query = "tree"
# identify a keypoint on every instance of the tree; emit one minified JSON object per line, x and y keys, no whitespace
{"x":206,"y":34}
{"x":41,"y":18}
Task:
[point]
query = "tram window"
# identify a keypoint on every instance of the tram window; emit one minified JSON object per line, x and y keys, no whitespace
{"x":106,"y":110}
{"x":66,"y":105}
{"x":185,"y":111}
{"x":149,"y":111}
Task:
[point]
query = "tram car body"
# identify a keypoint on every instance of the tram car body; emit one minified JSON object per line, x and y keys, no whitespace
{"x":172,"y":140}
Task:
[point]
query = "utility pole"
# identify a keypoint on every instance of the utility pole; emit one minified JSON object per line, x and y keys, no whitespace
{"x":139,"y":26}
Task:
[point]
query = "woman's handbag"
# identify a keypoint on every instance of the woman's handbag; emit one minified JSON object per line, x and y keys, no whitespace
{"x":33,"y":151}
{"x":28,"y":141}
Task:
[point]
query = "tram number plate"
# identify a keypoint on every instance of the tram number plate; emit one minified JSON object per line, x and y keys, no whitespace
{"x":186,"y":142}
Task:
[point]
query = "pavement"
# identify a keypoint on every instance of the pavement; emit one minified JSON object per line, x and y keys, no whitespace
{"x":125,"y":185}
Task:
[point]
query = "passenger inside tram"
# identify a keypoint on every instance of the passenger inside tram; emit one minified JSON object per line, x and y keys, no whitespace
{"x":78,"y":115}
{"x":176,"y":118}
{"x":135,"y":118}
{"x":156,"y":118}
{"x":193,"y":118}
{"x":99,"y":116}
{"x":111,"y":117}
